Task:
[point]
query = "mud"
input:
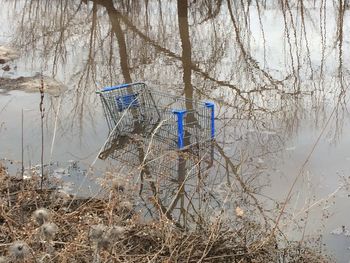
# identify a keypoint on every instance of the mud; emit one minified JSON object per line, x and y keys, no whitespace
{"x":33,"y":84}
{"x":7,"y":54}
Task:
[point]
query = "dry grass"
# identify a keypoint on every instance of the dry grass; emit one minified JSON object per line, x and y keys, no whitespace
{"x":95,"y":230}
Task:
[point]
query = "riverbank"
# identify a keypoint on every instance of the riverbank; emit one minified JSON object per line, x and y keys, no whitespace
{"x":11,"y":80}
{"x":52,"y":226}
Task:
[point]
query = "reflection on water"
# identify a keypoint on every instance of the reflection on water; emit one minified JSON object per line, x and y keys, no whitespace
{"x":278,"y":72}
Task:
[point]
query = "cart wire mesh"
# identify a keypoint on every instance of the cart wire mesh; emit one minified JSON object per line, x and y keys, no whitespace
{"x":157,"y":131}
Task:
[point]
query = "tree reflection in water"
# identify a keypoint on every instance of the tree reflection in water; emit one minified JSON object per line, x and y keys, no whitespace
{"x":267,"y":65}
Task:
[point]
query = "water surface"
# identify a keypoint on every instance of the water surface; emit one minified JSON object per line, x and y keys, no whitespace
{"x":278,"y":73}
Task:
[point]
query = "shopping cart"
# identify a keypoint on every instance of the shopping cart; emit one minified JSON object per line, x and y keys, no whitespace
{"x":165,"y":141}
{"x":176,"y":123}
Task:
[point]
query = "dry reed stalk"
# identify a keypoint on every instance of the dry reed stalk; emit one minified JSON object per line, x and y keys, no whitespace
{"x":42,"y":110}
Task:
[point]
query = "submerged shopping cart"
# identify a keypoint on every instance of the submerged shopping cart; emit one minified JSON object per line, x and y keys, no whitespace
{"x":158,"y":131}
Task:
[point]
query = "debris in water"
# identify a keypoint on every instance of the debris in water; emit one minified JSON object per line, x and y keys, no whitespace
{"x":268,"y":132}
{"x":292,"y":148}
{"x":341,"y":231}
{"x":6,"y":68}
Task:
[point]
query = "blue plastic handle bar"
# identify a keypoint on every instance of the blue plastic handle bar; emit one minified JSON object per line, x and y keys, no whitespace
{"x":211,"y":106}
{"x":120,"y":86}
{"x":180,"y":127}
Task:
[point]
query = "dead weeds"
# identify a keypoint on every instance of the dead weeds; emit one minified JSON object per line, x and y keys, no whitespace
{"x":48,"y":226}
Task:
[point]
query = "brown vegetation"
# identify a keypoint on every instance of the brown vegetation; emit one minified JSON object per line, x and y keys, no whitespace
{"x":51,"y":226}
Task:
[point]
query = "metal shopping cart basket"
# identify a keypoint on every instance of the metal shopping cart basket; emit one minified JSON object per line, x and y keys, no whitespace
{"x":143,"y":121}
{"x":129,"y":107}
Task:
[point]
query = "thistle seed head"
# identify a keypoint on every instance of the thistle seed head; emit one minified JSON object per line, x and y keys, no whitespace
{"x":41,"y":216}
{"x":96,"y":232}
{"x":19,"y":250}
{"x":116,"y":231}
{"x":126,"y":205}
{"x":112,"y":235}
{"x":118,"y":184}
{"x":104,"y":242}
{"x":104,"y":236}
{"x":48,"y":231}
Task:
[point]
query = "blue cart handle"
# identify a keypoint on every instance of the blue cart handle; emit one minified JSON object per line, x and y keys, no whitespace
{"x":211,"y":106}
{"x":180,"y":127}
{"x":121,"y":86}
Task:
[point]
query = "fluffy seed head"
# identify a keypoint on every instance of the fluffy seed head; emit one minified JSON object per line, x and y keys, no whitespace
{"x":41,"y":215}
{"x":48,"y":231}
{"x":118,"y":185}
{"x":96,"y":232}
{"x":111,"y":236}
{"x":104,"y":236}
{"x":126,"y":205}
{"x":19,"y":250}
{"x":104,"y":242}
{"x":116,"y":231}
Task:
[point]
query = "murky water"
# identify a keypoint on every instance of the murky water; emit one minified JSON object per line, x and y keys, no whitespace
{"x":278,"y":73}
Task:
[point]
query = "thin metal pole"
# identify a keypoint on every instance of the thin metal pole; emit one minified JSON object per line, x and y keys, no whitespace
{"x":41,"y":89}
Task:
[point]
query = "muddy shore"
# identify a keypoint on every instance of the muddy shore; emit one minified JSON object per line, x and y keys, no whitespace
{"x":11,"y":81}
